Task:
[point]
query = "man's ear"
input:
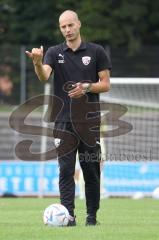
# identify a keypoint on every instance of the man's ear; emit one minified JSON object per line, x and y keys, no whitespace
{"x":79,"y":23}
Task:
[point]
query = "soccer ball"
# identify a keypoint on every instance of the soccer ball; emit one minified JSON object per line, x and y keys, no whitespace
{"x":56,"y":215}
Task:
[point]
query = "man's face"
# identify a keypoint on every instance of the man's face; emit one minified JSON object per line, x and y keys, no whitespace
{"x":70,"y":27}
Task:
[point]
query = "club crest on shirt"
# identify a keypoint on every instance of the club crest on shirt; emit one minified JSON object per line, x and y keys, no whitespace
{"x":86,"y":60}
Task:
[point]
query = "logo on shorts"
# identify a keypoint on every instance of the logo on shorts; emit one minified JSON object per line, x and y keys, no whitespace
{"x":57,"y":142}
{"x":86,"y":60}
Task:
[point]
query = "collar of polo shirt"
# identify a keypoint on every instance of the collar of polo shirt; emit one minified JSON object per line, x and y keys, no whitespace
{"x":81,"y":47}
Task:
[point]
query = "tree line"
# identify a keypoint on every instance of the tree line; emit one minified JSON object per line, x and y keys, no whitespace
{"x":114,"y":22}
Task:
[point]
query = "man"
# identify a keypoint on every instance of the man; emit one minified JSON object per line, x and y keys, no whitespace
{"x":86,"y":66}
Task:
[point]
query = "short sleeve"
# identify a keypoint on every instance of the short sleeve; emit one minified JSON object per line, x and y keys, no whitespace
{"x":103,"y":59}
{"x":49,"y":58}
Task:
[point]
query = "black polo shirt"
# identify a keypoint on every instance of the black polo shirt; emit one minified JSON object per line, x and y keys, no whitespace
{"x":81,"y":65}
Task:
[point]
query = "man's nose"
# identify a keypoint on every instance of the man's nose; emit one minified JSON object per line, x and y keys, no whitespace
{"x":67,"y":29}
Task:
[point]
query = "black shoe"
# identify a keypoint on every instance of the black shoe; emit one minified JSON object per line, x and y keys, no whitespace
{"x":91,"y":221}
{"x":72,"y":222}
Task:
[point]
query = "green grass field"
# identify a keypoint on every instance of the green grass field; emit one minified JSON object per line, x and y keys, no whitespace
{"x":121,"y":219}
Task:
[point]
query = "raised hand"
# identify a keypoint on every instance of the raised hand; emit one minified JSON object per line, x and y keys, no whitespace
{"x":36,"y":55}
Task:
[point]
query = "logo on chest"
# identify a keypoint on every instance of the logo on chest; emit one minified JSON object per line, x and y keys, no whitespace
{"x":61,"y":58}
{"x":86,"y":60}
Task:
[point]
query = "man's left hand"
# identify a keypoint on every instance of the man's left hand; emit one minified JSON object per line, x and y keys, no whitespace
{"x":77,"y":92}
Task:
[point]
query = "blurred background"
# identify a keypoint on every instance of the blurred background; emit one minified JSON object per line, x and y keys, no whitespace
{"x":129,"y":31}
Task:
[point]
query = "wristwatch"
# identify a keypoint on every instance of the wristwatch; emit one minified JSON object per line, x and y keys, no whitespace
{"x":86,"y":87}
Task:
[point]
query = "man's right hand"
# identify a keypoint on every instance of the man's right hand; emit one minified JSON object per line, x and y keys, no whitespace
{"x":36,"y":55}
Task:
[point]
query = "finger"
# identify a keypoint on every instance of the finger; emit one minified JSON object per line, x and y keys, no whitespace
{"x":42,"y":49}
{"x":28,"y":53}
{"x":35,"y":50}
{"x":73,"y":91}
{"x":76,"y":96}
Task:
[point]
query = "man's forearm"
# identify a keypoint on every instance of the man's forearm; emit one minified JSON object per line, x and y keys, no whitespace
{"x":99,"y":87}
{"x":104,"y":82}
{"x":41,"y":72}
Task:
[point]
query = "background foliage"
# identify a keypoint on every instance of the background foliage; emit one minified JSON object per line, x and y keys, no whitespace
{"x":129,"y":29}
{"x":116,"y":22}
